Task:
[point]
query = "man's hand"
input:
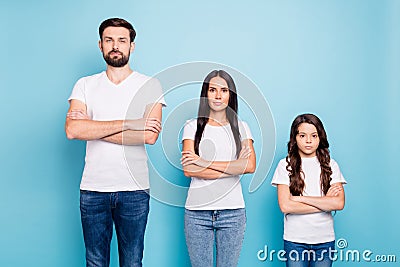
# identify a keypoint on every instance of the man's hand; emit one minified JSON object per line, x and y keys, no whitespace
{"x":77,"y":114}
{"x":145,"y":124}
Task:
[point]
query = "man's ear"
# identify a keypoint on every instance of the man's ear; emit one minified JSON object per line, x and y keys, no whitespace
{"x":132,"y":46}
{"x":100,"y":46}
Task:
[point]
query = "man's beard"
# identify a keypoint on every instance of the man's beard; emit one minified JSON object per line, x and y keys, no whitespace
{"x":116,"y":62}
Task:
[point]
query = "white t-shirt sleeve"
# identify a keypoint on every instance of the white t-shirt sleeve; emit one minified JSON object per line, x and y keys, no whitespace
{"x":337,"y":176}
{"x":189,"y":130}
{"x":78,"y":92}
{"x":151,"y":92}
{"x":281,"y":175}
{"x":244,"y":131}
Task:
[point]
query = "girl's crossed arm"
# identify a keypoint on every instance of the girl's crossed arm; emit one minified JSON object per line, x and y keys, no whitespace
{"x":288,"y":205}
{"x":334,"y":199}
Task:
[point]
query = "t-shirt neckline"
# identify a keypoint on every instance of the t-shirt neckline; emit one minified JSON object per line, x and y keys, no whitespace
{"x":121,"y":83}
{"x":225,"y":125}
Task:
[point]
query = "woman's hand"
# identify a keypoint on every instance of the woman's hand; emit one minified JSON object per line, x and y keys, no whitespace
{"x":245,"y":152}
{"x":189,"y":157}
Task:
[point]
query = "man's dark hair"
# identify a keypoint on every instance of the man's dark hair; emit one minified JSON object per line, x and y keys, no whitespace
{"x":117,"y":22}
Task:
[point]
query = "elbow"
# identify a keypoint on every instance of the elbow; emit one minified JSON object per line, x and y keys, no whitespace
{"x":337,"y":204}
{"x":150,"y":138}
{"x":70,"y":132}
{"x":340,"y":205}
{"x":69,"y":136}
{"x":186,"y":172}
{"x":250,"y":168}
{"x":284,"y":208}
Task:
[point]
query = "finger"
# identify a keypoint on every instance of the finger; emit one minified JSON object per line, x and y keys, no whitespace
{"x":72,"y":116}
{"x":77,"y":114}
{"x":245,"y":155}
{"x":153,"y":122}
{"x":246,"y":150}
{"x":332,"y":191}
{"x":187,"y":161}
{"x":152,"y":129}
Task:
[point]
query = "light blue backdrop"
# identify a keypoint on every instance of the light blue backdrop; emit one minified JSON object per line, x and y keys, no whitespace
{"x":338,"y":59}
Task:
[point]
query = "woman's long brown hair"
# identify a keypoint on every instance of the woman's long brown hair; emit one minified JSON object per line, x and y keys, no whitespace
{"x":293,"y":158}
{"x":231,"y":110}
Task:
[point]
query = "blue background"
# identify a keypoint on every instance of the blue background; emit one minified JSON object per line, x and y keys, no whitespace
{"x":337,"y":59}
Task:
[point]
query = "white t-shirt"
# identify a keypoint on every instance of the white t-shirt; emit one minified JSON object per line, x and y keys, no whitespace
{"x":111,"y":167}
{"x":311,"y":228}
{"x":217,"y":144}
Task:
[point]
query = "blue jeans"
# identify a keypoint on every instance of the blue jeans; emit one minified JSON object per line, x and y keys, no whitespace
{"x":224,"y":228}
{"x":308,"y":255}
{"x":128,"y":211}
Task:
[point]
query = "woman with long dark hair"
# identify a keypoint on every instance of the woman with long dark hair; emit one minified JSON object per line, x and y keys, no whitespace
{"x":217,"y":149}
{"x":310,"y":187}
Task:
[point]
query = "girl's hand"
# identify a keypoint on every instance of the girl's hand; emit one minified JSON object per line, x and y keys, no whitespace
{"x":189,"y":157}
{"x":244,"y":153}
{"x":334,"y":190}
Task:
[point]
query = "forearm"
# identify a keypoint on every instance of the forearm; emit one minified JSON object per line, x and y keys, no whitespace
{"x":325,"y":203}
{"x":131,"y":138}
{"x":193,"y":170}
{"x":288,"y":205}
{"x":235,"y":167}
{"x":92,"y":130}
{"x":294,"y":207}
